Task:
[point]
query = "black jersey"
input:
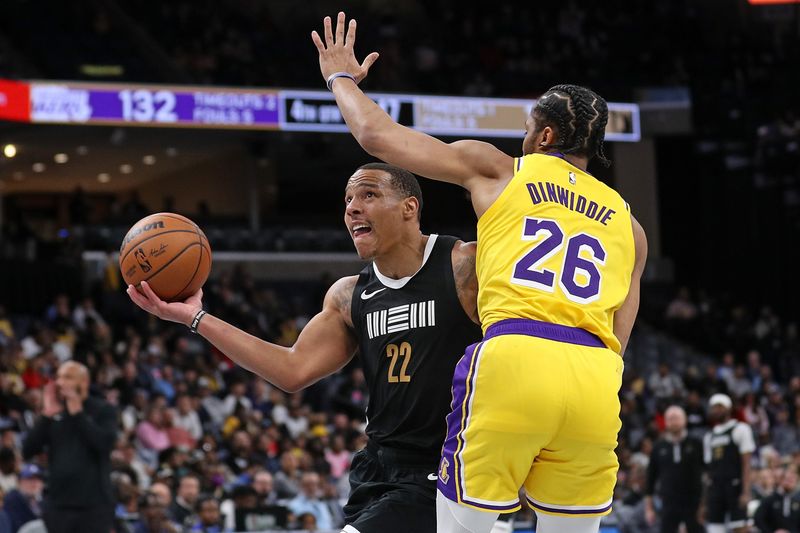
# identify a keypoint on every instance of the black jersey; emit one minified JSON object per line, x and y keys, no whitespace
{"x":411,"y":333}
{"x":726,"y":462}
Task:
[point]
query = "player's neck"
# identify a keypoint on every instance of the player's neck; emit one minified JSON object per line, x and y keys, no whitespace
{"x":574,"y":160}
{"x":405,"y":258}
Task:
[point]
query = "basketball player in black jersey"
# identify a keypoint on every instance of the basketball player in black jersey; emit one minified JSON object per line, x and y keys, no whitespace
{"x":409,"y":314}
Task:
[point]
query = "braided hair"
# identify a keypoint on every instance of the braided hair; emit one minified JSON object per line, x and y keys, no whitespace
{"x":579,"y":115}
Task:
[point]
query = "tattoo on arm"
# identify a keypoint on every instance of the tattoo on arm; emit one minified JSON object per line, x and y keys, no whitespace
{"x":467,"y":284}
{"x":343,"y":298}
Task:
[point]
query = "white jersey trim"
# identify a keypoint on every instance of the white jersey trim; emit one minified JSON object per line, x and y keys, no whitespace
{"x":402,"y":282}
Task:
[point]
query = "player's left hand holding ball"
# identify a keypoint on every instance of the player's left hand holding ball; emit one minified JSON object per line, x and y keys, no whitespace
{"x":180,"y":312}
{"x":336,"y":53}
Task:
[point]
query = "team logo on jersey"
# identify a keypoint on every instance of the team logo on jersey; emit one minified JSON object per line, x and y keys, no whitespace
{"x":401,"y":318}
{"x":443,"y":466}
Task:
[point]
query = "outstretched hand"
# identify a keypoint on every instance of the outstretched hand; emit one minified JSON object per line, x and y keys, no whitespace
{"x":336,"y":53}
{"x":181,"y":312}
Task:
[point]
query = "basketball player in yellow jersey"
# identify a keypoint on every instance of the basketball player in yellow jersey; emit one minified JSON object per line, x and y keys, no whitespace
{"x":559,"y":262}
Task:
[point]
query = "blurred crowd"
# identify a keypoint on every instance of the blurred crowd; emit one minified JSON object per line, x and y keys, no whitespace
{"x":199,"y":439}
{"x":752,"y":357}
{"x":204,"y":446}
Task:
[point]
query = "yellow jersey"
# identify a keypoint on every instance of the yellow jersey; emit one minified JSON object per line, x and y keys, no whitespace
{"x":555,"y":246}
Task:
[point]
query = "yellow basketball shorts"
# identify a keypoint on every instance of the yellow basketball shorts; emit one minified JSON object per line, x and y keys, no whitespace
{"x":535,"y":405}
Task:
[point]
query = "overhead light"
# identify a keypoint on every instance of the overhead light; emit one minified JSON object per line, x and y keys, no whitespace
{"x":172,"y":151}
{"x":103,"y":177}
{"x":18,"y":176}
{"x":39,"y":167}
{"x":82,"y":150}
{"x":126,"y":168}
{"x":61,"y":158}
{"x":9,"y":150}
{"x":149,"y":160}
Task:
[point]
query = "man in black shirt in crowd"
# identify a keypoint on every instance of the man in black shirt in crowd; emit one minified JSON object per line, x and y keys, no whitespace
{"x":727,"y":449}
{"x":78,"y":433}
{"x":409,"y":314}
{"x":676,"y":466}
{"x":780,"y":511}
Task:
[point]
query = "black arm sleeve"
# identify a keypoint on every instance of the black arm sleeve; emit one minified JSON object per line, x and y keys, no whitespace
{"x":38,"y":437}
{"x":99,"y":433}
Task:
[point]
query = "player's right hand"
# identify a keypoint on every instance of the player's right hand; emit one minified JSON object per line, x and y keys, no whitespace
{"x":336,"y":53}
{"x":180,"y":312}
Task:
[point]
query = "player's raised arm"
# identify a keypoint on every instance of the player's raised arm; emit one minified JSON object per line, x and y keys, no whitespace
{"x":324,"y":346}
{"x":465,"y":163}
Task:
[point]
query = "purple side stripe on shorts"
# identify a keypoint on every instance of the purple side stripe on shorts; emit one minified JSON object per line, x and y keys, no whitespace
{"x":448,"y":475}
{"x":569,"y":511}
{"x":544,"y":330}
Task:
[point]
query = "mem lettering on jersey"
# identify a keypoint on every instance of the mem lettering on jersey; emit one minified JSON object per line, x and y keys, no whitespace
{"x":401,"y":318}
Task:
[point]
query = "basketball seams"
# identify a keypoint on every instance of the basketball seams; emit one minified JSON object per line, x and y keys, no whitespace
{"x":196,"y":267}
{"x":139,"y":243}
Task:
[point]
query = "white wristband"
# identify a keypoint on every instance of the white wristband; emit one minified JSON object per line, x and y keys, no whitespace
{"x":336,"y":75}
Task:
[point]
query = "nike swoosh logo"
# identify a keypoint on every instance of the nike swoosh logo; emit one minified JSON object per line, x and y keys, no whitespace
{"x":367,"y":295}
{"x":433,"y":477}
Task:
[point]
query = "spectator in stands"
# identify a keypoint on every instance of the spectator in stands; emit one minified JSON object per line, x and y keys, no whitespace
{"x":287,"y":480}
{"x":153,"y":516}
{"x":209,"y":519}
{"x":162,"y":493}
{"x":24,"y":503}
{"x":665,"y":384}
{"x":695,"y":414}
{"x":681,"y":308}
{"x":726,"y":371}
{"x":237,"y":396}
{"x":676,"y":468}
{"x":338,"y":457}
{"x":309,"y":501}
{"x":78,"y":432}
{"x":780,"y":512}
{"x":241,"y":452}
{"x":739,"y":385}
{"x":264,"y":486}
{"x":84,"y":313}
{"x":785,"y":437}
{"x":177,"y":435}
{"x":186,"y":499}
{"x":151,"y":433}
{"x":187,"y":418}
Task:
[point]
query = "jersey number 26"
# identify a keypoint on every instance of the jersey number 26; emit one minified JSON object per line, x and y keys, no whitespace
{"x":580,"y":261}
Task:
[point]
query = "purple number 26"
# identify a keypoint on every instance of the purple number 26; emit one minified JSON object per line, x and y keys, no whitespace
{"x":550,"y":240}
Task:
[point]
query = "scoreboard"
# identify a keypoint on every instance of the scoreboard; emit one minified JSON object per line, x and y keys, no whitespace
{"x":57,"y":102}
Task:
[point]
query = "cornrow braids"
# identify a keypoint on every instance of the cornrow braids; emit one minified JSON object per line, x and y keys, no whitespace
{"x":580,"y":115}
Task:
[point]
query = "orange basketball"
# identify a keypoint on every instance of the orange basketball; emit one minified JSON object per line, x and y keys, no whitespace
{"x":168,"y":251}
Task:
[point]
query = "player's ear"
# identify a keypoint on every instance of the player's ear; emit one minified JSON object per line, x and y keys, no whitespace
{"x":411,"y":208}
{"x":548,"y":137}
